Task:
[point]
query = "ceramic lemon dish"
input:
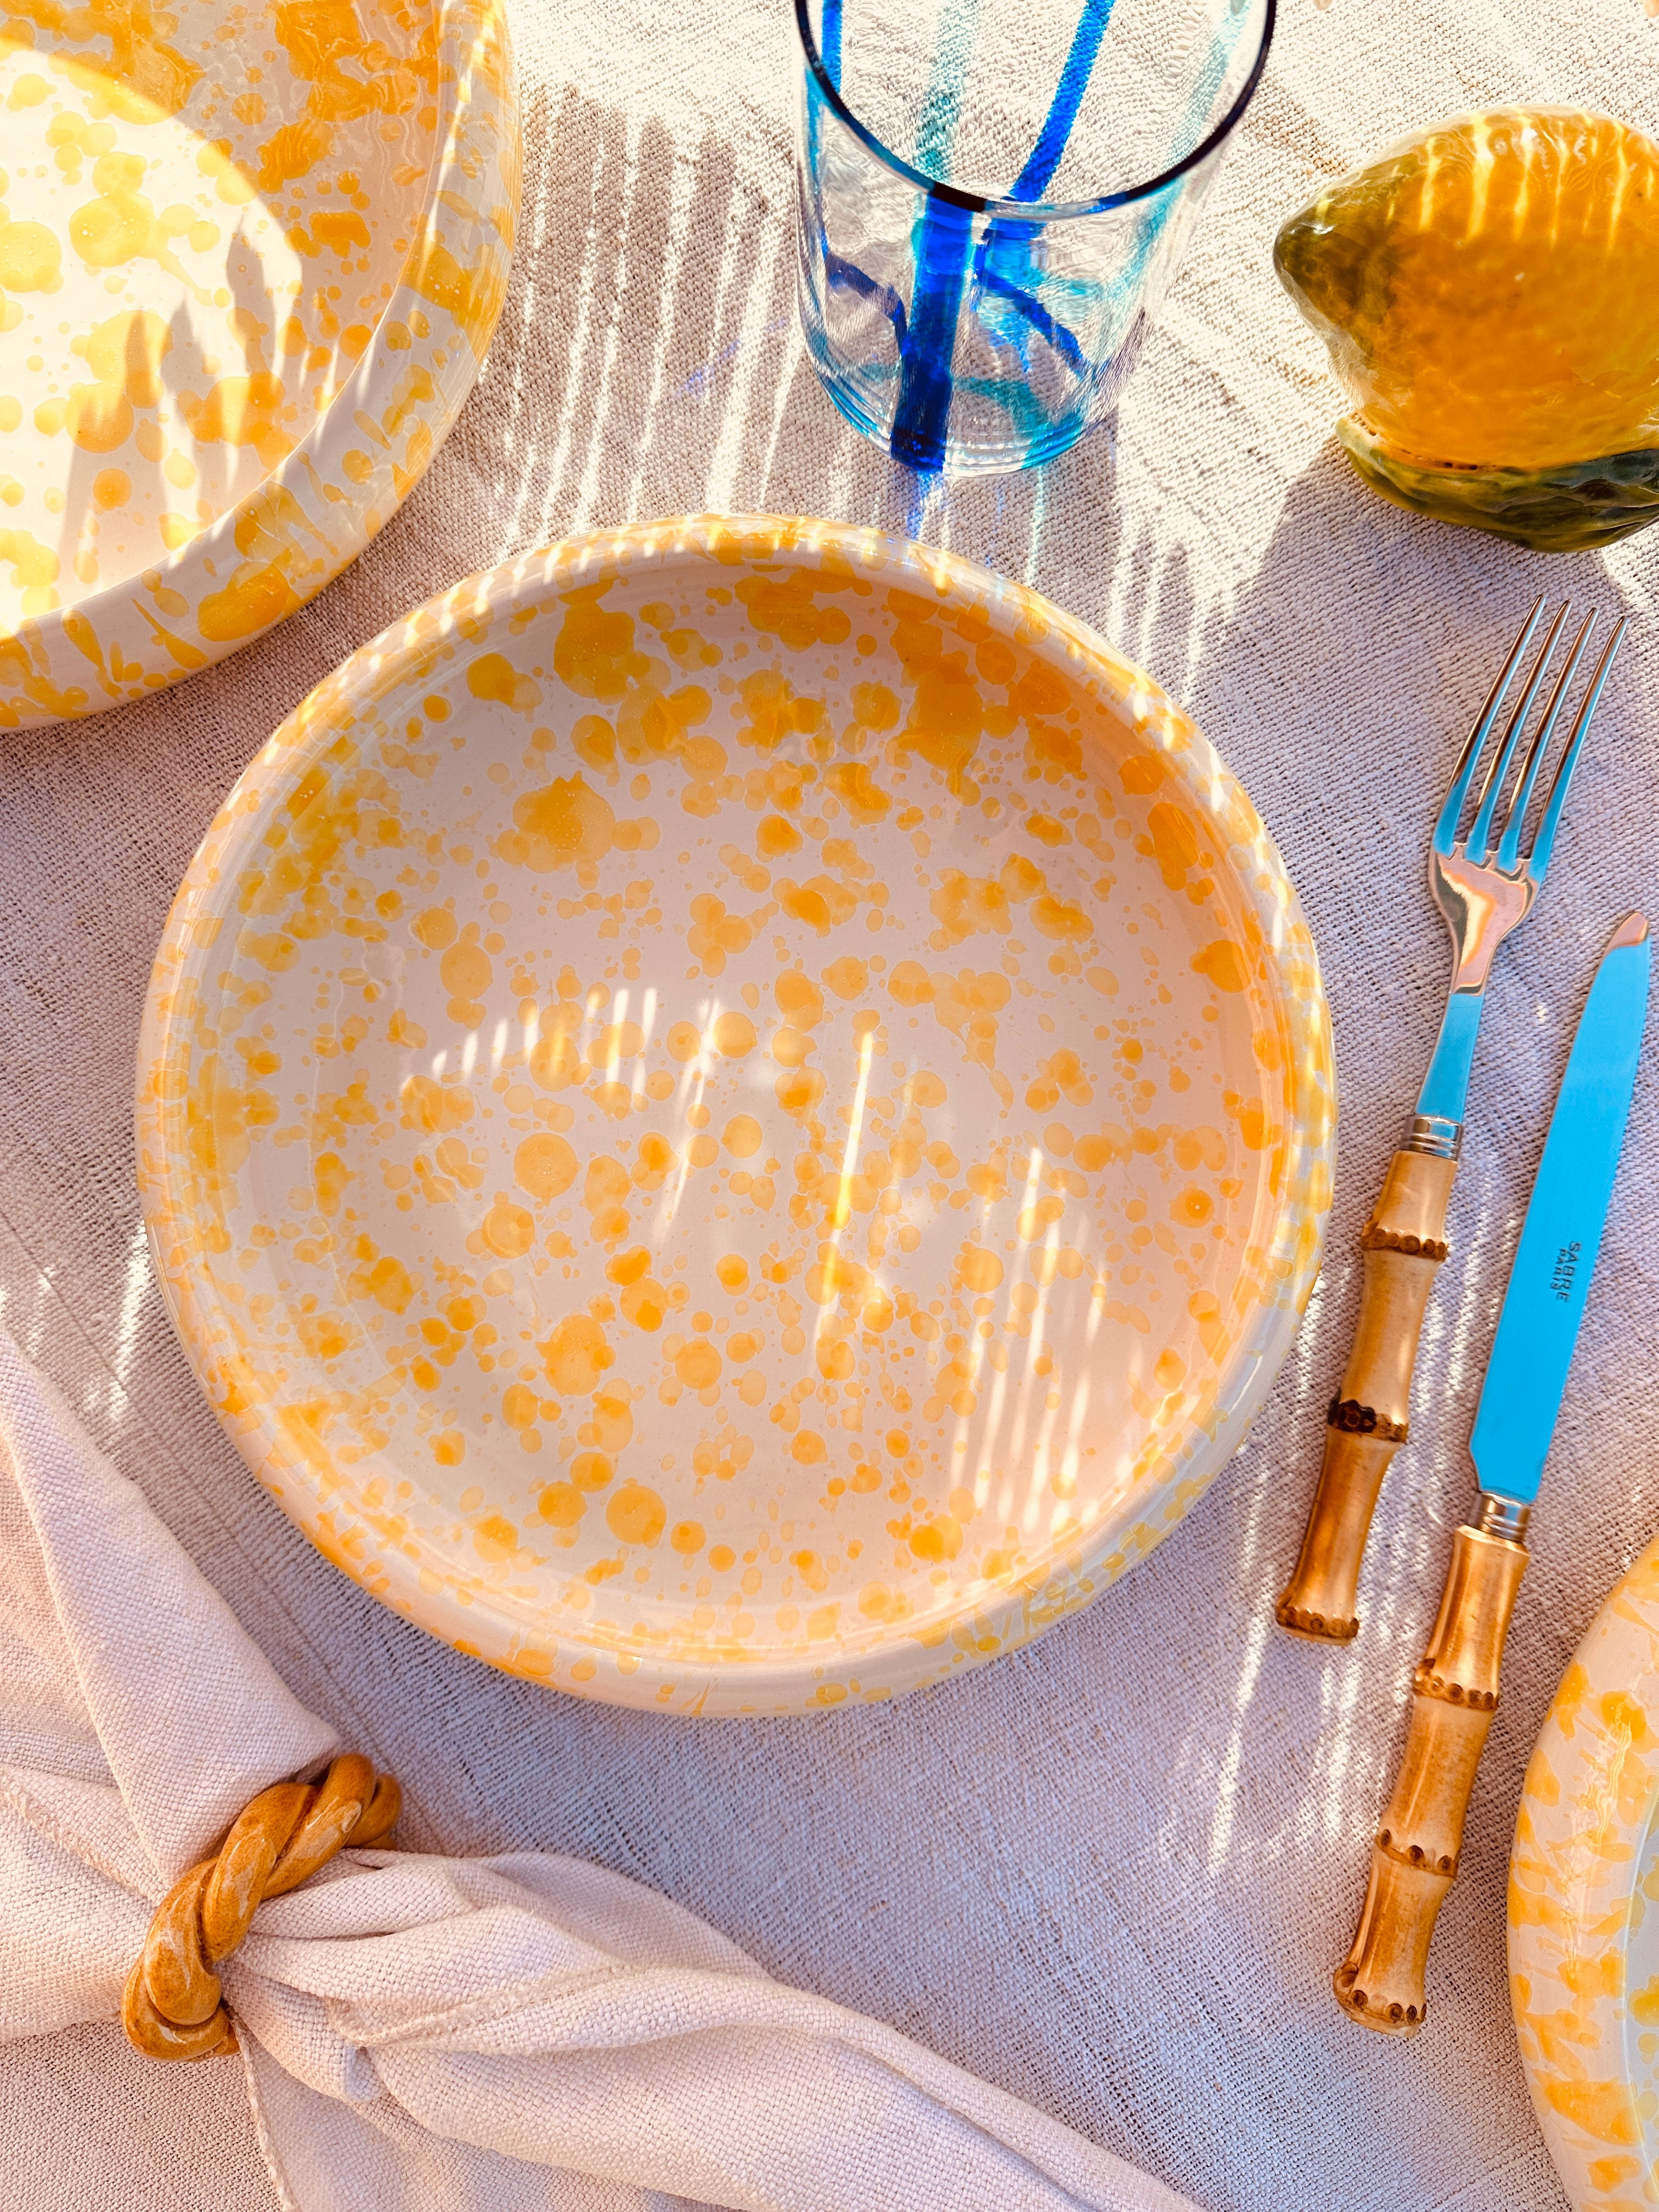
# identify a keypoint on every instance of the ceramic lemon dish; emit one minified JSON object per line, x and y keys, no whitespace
{"x":1486,"y":288}
{"x":250,"y":260}
{"x":736,"y":1115}
{"x":1584,"y":1909}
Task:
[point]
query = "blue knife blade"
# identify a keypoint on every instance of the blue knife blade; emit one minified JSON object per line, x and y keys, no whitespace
{"x":1550,"y":1279}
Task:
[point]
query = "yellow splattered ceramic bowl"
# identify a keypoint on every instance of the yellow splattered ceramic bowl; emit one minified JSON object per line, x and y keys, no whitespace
{"x":1584,"y":1909}
{"x":250,"y":260}
{"x":736,"y":1115}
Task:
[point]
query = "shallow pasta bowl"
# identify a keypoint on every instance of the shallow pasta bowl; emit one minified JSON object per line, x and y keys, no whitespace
{"x":736,"y":1115}
{"x":1583,"y":1930}
{"x":250,"y":260}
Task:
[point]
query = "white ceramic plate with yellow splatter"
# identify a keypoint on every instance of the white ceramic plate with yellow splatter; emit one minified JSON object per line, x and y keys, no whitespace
{"x":1584,"y":1909}
{"x":250,"y":260}
{"x":736,"y":1115}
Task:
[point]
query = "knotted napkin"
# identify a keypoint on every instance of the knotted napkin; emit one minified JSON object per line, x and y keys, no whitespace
{"x":486,"y":2035}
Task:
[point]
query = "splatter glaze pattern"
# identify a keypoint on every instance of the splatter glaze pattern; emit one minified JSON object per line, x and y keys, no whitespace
{"x":251,"y":257}
{"x":1583,"y":1926}
{"x":737,"y":1114}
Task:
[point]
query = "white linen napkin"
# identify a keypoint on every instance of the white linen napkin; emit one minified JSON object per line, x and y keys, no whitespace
{"x":485,"y":2035}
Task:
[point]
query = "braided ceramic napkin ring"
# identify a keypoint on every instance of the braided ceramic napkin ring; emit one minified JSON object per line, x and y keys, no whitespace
{"x":172,"y":2007}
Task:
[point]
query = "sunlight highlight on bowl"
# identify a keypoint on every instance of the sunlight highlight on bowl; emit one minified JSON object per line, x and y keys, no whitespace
{"x":249,"y":263}
{"x":736,"y":1115}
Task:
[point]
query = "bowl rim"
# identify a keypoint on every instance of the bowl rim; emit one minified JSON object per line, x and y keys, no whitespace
{"x":887,"y":1662}
{"x":469,"y":32}
{"x":1573,"y":1870}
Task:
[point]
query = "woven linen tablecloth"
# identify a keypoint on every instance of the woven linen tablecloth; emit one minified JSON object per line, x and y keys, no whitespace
{"x":1111,"y":1873}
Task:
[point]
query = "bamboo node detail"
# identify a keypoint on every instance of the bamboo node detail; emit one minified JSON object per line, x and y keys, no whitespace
{"x":1309,"y":1623}
{"x":1407,"y":2018}
{"x":1372,"y":1238}
{"x":1428,"y":1684}
{"x":1413,"y":1854}
{"x":1361,"y":1420}
{"x":173,"y":2007}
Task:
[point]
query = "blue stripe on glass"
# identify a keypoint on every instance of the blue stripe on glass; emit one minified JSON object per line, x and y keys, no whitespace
{"x":1005,"y":267}
{"x":1034,"y":179}
{"x":944,"y":248}
{"x":944,"y":241}
{"x":847,"y":277}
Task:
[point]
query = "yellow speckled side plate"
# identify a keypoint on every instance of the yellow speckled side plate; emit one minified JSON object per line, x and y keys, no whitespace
{"x":1583,"y":1926}
{"x":736,"y":1115}
{"x":251,"y":257}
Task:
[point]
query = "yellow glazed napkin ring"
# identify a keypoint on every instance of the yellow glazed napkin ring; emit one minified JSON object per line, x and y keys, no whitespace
{"x":172,"y":2007}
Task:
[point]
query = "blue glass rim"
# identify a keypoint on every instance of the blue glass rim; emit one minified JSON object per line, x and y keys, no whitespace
{"x":1037,"y":211}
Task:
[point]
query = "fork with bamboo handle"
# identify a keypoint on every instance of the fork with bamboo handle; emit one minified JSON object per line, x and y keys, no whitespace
{"x":1456,"y":1690}
{"x":1484,"y":884}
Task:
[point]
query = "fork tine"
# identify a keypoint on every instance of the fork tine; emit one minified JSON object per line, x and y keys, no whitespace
{"x":1544,"y":843}
{"x":1477,"y":844}
{"x":1445,"y":829}
{"x":1509,"y":852}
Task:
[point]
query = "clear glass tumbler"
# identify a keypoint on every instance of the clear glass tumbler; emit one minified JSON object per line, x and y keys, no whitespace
{"x":993,"y":197}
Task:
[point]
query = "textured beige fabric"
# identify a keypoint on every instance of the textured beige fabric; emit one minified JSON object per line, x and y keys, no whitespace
{"x":1112,"y":1873}
{"x":499,"y":2034}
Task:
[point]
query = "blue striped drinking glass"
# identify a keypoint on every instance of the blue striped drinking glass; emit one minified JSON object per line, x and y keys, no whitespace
{"x":993,"y":197}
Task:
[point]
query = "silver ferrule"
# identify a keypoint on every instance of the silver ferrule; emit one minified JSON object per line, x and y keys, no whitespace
{"x":1435,"y":1134}
{"x":1503,"y":1517}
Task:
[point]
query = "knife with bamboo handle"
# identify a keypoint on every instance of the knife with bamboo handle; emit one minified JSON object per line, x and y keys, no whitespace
{"x":1454,"y":1692}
